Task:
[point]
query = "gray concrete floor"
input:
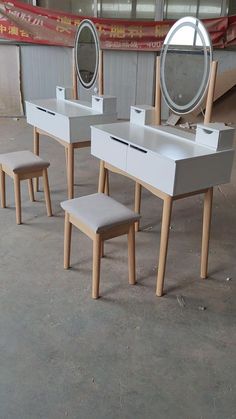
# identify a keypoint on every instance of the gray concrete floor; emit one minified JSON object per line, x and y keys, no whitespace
{"x":128,"y":355}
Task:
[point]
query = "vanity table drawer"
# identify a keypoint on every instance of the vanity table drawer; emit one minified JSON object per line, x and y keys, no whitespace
{"x":51,"y":122}
{"x":151,"y":168}
{"x":109,"y":148}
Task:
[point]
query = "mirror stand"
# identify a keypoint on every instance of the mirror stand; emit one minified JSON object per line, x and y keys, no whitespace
{"x":74,"y":79}
{"x":100,"y":73}
{"x":210,"y":92}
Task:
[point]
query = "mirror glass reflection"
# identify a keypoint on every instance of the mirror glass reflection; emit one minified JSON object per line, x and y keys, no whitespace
{"x":185,"y":65}
{"x":87,"y":53}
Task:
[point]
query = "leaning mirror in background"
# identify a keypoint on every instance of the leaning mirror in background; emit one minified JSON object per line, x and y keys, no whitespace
{"x":87,"y":53}
{"x":186,"y":58}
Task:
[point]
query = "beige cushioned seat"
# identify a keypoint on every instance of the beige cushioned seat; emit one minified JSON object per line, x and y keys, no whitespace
{"x":23,"y":161}
{"x":99,"y":212}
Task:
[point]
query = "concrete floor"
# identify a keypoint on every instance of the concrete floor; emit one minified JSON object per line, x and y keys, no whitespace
{"x":128,"y":355}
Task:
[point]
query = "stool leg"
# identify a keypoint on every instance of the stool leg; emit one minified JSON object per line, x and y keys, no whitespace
{"x":67,"y":241}
{"x":3,"y":188}
{"x":31,"y":189}
{"x":96,"y":265}
{"x":17,"y":198}
{"x":131,"y":255}
{"x":47,"y":192}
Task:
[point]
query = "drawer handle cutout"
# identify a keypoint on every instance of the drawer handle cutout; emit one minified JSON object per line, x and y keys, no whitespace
{"x":118,"y":140}
{"x":97,"y":99}
{"x":139,"y":149}
{"x":41,"y":109}
{"x":51,"y":113}
{"x":207,"y":131}
{"x":137,"y":110}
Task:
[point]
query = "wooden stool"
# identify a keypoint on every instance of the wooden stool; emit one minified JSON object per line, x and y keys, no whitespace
{"x":100,"y":218}
{"x":21,"y":165}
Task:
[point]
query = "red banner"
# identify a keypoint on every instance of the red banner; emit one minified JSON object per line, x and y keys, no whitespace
{"x":24,"y":23}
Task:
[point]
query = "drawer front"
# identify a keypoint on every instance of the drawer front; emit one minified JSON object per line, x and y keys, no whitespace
{"x":151,"y":168}
{"x":55,"y":124}
{"x":109,"y":148}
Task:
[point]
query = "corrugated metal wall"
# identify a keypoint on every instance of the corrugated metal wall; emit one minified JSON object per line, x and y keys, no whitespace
{"x":127,"y":75}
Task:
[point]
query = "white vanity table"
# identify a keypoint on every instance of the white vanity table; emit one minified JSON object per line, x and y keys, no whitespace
{"x":171,"y":163}
{"x":161,"y":156}
{"x":68,"y":121}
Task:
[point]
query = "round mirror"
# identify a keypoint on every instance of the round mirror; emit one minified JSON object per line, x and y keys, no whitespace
{"x":86,"y":53}
{"x":186,"y":58}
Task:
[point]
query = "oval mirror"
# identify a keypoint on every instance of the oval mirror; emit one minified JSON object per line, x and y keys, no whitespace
{"x":87,"y":53}
{"x":186,"y":58}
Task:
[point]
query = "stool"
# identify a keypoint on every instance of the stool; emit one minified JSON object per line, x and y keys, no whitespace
{"x":21,"y":165}
{"x":100,"y":218}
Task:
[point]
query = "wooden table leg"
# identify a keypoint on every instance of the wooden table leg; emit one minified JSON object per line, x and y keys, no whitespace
{"x":67,"y":241}
{"x":102,"y":176}
{"x":207,"y":211}
{"x":131,"y":255}
{"x":107,"y":189}
{"x":137,"y":203}
{"x":36,"y":151}
{"x":70,"y":171}
{"x":165,"y":228}
{"x":2,"y":188}
{"x":31,"y":189}
{"x":47,"y":192}
{"x":66,"y":156}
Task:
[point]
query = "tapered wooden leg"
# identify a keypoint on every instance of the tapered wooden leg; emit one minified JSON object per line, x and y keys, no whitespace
{"x":36,"y":151}
{"x":17,"y":198}
{"x":96,"y":265}
{"x":70,"y":171}
{"x":31,"y":189}
{"x":66,"y":156}
{"x":107,"y":189}
{"x":137,"y":203}
{"x":165,"y":228}
{"x":47,"y":192}
{"x":131,"y":255}
{"x":207,"y":211}
{"x":102,"y":249}
{"x":3,"y":188}
{"x":102,"y":176}
{"x":67,"y":241}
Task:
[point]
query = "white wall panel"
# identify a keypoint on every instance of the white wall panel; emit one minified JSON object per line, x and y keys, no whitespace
{"x":43,"y":68}
{"x":10,"y":92}
{"x":120,"y":73}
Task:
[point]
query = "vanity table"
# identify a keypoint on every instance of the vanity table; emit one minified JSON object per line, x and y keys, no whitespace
{"x":68,"y":121}
{"x":169,"y":162}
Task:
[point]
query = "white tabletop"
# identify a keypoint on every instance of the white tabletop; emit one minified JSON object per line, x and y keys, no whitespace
{"x":69,"y":108}
{"x":169,"y":144}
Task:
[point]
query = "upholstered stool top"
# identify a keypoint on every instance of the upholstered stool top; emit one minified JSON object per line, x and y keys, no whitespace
{"x":23,"y":161}
{"x":99,"y":212}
